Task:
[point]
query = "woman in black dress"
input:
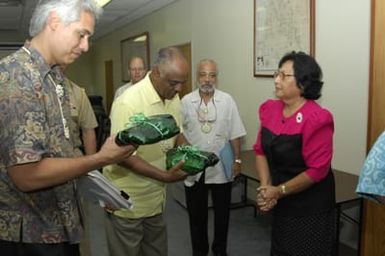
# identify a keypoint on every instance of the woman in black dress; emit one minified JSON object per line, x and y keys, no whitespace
{"x":294,"y":150}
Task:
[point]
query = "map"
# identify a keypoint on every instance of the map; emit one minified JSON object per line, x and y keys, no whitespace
{"x":281,"y":26}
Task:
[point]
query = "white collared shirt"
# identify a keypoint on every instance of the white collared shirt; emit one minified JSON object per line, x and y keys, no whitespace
{"x":226,"y":124}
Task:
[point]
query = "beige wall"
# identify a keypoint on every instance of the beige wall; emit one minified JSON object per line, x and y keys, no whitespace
{"x":168,"y":26}
{"x":223,"y":30}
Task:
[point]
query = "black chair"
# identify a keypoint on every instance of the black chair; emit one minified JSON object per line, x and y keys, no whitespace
{"x":104,"y":123}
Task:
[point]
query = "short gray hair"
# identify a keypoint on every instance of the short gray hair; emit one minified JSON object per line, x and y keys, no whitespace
{"x":68,"y":10}
{"x":166,"y":56}
{"x":201,"y":62}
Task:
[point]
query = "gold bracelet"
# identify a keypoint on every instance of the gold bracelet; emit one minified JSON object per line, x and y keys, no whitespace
{"x":283,"y":189}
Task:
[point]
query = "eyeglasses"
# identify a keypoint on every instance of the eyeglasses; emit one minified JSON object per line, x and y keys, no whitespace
{"x":204,"y":116}
{"x":282,"y":75}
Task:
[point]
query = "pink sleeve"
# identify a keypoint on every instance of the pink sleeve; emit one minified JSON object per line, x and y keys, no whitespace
{"x":257,"y":146}
{"x":318,"y":144}
{"x":263,"y":111}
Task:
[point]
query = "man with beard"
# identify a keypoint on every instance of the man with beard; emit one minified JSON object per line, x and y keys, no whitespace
{"x":211,"y":122}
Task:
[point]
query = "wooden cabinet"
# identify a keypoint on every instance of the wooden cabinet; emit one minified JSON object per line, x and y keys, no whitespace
{"x":373,"y":221}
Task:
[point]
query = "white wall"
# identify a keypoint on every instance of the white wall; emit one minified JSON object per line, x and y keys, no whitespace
{"x":342,"y":49}
{"x":168,"y":26}
{"x":223,"y":30}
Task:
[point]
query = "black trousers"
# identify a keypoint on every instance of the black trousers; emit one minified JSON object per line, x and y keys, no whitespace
{"x":197,"y":207}
{"x":25,"y":249}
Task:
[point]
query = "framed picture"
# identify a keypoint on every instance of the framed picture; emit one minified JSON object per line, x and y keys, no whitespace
{"x":281,"y":26}
{"x":134,"y":46}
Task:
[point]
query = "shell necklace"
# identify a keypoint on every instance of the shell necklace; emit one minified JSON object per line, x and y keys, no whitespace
{"x":59,"y":95}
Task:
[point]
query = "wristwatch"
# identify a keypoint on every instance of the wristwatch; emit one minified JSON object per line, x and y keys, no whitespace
{"x":238,"y":161}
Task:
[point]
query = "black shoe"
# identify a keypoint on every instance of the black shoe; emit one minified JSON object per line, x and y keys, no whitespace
{"x":200,"y":253}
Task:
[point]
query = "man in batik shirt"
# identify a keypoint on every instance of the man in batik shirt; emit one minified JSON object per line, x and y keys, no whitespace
{"x":38,"y":161}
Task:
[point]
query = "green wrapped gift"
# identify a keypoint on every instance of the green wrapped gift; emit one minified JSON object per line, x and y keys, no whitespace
{"x":142,"y":130}
{"x":195,"y":160}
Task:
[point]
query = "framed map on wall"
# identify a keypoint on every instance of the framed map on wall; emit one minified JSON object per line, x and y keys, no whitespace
{"x":281,"y":26}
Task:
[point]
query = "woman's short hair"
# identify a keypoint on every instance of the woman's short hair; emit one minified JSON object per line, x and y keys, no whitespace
{"x":68,"y":10}
{"x":307,"y":72}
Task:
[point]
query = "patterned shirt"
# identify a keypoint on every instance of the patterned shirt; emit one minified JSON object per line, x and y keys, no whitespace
{"x":32,"y":129}
{"x":372,"y":177}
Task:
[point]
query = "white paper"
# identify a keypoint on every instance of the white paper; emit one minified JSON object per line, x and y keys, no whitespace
{"x":96,"y":188}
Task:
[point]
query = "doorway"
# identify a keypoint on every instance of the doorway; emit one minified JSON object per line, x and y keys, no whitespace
{"x":187,"y":88}
{"x":109,"y":84}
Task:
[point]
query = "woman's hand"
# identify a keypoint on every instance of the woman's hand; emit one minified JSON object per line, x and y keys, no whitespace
{"x":267,"y":197}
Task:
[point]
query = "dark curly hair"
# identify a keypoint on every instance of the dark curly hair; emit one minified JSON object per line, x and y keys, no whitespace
{"x":307,"y":72}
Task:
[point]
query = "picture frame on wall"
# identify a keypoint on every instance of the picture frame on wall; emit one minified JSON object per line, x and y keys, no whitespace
{"x":134,"y":46}
{"x":281,"y":26}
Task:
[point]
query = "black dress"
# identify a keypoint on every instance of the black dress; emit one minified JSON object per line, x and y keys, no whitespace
{"x":303,"y":223}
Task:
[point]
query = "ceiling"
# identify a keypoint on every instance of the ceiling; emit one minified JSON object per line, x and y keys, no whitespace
{"x":15,"y":16}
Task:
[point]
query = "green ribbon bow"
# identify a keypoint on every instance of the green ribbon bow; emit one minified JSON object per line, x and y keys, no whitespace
{"x":140,"y":118}
{"x":190,"y":150}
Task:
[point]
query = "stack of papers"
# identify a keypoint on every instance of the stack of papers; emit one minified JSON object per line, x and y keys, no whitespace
{"x":96,"y":188}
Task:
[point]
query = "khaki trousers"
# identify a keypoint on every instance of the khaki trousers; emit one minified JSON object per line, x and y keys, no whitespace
{"x":136,"y":237}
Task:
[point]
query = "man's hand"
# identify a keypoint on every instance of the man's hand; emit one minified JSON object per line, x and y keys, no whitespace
{"x":175,"y":173}
{"x":114,"y":153}
{"x":236,"y":169}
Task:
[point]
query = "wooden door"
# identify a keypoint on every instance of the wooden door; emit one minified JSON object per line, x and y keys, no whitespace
{"x":109,"y":84}
{"x":373,"y":221}
{"x":186,"y":49}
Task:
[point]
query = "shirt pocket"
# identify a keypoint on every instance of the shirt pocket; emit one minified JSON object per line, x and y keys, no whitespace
{"x":221,"y":133}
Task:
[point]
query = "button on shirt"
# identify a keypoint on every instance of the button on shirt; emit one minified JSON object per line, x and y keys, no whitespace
{"x":222,"y":115}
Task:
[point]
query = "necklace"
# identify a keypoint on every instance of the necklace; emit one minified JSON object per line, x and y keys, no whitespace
{"x":59,"y":95}
{"x":204,"y":118}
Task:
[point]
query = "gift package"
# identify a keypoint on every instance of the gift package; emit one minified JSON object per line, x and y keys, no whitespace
{"x":142,"y":130}
{"x":195,"y":160}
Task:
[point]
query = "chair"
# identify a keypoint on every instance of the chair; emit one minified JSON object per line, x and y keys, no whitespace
{"x":104,"y":123}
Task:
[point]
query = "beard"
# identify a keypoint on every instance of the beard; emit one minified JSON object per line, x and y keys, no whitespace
{"x":207,"y":88}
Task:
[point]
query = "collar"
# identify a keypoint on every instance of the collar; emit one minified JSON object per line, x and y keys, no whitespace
{"x":41,"y":64}
{"x":152,"y":95}
{"x":196,"y":98}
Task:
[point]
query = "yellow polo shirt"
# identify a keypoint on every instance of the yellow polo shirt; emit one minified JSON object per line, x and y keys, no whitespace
{"x":148,"y":195}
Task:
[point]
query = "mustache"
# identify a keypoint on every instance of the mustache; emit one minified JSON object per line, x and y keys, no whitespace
{"x":207,"y":85}
{"x":207,"y":88}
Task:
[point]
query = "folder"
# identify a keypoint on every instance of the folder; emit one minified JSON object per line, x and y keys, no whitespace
{"x":97,"y":189}
{"x":227,"y":158}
